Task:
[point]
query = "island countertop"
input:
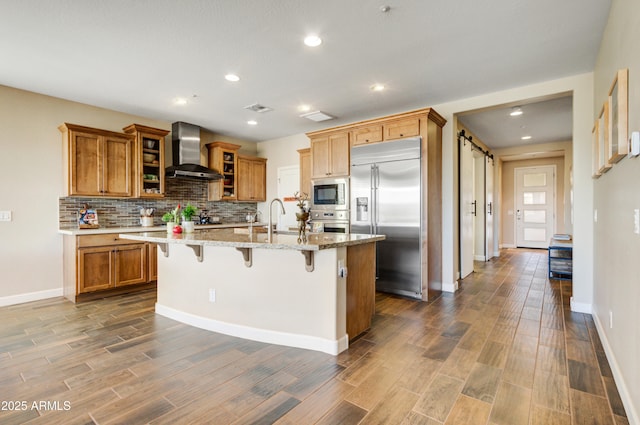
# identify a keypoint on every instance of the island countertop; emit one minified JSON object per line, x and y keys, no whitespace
{"x":227,"y":237}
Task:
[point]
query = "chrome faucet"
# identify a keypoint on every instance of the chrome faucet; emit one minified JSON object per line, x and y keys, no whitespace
{"x":270,"y":228}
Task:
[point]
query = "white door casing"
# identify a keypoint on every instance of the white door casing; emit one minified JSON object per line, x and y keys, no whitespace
{"x":535,"y":205}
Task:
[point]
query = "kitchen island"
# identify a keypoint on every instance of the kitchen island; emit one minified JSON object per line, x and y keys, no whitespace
{"x":315,"y":295}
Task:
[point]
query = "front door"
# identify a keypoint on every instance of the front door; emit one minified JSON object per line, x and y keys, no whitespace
{"x":535,"y":206}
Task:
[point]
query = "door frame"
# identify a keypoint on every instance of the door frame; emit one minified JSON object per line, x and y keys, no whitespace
{"x":515,"y":198}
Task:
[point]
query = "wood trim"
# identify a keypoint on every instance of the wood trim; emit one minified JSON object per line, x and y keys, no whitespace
{"x":132,"y":128}
{"x":429,"y":112}
{"x":223,"y":145}
{"x":95,"y":131}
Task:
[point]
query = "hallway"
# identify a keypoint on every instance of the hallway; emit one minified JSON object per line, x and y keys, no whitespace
{"x":504,"y":349}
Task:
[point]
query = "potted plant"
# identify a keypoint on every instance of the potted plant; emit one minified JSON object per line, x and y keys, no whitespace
{"x":187,"y":217}
{"x":171,"y":218}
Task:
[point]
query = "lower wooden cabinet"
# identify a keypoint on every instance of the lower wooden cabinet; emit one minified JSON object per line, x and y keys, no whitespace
{"x":94,"y":264}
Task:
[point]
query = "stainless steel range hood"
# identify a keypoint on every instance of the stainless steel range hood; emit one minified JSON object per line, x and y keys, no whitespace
{"x":185,"y":147}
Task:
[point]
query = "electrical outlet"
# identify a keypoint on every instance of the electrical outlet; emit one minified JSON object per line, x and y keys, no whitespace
{"x":595,"y":216}
{"x":212,"y":295}
{"x":636,"y":221}
{"x":5,"y":215}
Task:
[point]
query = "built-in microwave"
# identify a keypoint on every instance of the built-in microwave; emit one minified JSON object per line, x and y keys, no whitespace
{"x":330,"y":194}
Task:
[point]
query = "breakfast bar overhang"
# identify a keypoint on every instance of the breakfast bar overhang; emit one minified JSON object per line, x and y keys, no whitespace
{"x":247,"y":286}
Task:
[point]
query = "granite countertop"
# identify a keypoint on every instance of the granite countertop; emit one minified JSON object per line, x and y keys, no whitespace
{"x":227,"y":237}
{"x":135,"y":229}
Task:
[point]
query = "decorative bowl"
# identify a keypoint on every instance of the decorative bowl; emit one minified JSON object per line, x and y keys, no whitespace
{"x":148,"y":157}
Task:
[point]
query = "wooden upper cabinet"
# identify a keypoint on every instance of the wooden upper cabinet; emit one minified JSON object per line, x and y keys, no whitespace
{"x":223,"y":157}
{"x":330,"y":155}
{"x":398,"y":129}
{"x":305,"y":170}
{"x":149,"y":160}
{"x":366,"y":134}
{"x":98,"y":162}
{"x":252,"y":179}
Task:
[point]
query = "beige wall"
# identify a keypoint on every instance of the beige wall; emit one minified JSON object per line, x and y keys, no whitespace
{"x":507,"y":207}
{"x":616,"y":196}
{"x":31,"y":175}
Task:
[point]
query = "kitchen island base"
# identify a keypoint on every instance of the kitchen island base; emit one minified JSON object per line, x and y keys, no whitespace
{"x":275,"y":300}
{"x":269,"y":289}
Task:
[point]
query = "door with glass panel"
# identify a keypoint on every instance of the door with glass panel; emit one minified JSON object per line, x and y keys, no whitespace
{"x":535,"y":206}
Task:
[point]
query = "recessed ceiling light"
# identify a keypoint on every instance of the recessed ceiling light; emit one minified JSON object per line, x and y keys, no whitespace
{"x":312,"y":40}
{"x":526,"y":137}
{"x":232,"y":77}
{"x":252,"y":122}
{"x":377,"y":87}
{"x":304,"y":108}
{"x":180,"y":101}
{"x":516,"y":111}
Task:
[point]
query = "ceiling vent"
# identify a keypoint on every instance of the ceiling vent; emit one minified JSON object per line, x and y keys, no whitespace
{"x":317,"y":116}
{"x":256,"y":107}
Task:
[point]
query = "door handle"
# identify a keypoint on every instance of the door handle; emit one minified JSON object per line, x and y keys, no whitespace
{"x":475,"y":205}
{"x":518,"y":214}
{"x":490,"y":208}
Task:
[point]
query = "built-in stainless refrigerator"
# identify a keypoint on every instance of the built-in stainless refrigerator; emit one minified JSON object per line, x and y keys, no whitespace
{"x":385,"y":200}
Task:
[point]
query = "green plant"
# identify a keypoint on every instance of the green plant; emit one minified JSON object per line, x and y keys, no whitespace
{"x":188,"y":212}
{"x":172,"y":216}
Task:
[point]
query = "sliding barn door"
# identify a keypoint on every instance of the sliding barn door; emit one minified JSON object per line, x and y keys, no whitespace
{"x":467,"y":209}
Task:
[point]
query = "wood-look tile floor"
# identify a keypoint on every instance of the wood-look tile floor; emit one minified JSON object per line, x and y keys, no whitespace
{"x":504,"y":349}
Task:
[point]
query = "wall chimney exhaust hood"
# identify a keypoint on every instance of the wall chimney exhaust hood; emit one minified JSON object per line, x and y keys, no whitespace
{"x":185,"y":147}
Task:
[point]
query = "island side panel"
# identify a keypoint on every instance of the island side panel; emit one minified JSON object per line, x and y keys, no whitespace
{"x":275,"y":297}
{"x":361,"y":288}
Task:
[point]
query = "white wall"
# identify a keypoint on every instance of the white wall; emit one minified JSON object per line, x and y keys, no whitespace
{"x":31,"y":183}
{"x":616,"y":196}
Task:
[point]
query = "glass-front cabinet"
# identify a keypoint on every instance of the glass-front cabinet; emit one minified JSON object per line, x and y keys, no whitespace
{"x":149,"y":159}
{"x":223,"y":157}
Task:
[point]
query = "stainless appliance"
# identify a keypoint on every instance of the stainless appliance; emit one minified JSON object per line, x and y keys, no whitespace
{"x":185,"y":149}
{"x":330,"y":194}
{"x":336,"y":221}
{"x":385,"y":199}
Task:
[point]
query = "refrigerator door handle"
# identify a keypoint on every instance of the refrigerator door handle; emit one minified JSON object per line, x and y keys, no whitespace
{"x":372,"y":188}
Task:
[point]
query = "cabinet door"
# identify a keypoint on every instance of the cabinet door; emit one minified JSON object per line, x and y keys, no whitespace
{"x":131,"y":264}
{"x":259,"y":178}
{"x":305,"y":171}
{"x":407,"y":127}
{"x":245,"y":179}
{"x":85,"y":170}
{"x":152,"y":250}
{"x":339,"y":154}
{"x":117,"y":166}
{"x":95,"y":269}
{"x":320,"y":157}
{"x":368,"y":134}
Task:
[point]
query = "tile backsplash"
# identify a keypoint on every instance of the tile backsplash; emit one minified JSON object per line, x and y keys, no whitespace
{"x":125,"y":212}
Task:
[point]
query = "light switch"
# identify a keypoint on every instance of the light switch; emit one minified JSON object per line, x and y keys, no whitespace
{"x":636,"y":221}
{"x":5,"y":215}
{"x":595,"y":216}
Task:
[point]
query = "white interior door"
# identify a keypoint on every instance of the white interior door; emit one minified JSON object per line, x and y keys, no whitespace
{"x":489,"y":204}
{"x":535,"y":206}
{"x":466,"y":209}
{"x":480,"y":225}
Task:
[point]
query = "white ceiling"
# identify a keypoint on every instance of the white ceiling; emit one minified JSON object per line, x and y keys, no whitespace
{"x":137,"y":56}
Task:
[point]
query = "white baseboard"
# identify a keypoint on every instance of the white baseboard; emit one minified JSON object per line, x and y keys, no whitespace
{"x":630,"y":409}
{"x":581,"y":307}
{"x":496,"y":253}
{"x":450,"y":287}
{"x":31,"y":296}
{"x":479,"y":258}
{"x":507,"y":245}
{"x":256,"y":334}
